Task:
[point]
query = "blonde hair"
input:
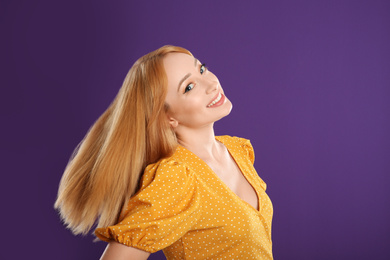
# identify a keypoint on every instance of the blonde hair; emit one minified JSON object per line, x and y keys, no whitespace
{"x":104,"y":169}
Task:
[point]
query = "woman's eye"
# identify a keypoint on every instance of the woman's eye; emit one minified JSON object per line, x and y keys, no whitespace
{"x":203,"y":68}
{"x":189,"y":87}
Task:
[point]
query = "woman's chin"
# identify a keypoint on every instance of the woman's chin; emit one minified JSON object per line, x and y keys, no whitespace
{"x":228,"y":106}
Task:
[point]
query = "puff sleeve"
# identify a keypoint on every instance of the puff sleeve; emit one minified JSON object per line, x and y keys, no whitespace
{"x":249,"y":154}
{"x":165,"y":208}
{"x":247,"y":147}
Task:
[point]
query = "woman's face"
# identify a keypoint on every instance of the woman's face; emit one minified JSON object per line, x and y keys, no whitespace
{"x":195,"y":96}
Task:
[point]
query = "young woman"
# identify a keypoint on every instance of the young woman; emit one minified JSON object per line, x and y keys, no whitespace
{"x":154,"y":176}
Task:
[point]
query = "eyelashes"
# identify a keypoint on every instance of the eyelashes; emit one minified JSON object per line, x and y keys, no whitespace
{"x":189,"y":87}
{"x":202,"y":70}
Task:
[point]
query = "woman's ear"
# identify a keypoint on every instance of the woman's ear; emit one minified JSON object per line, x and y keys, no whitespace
{"x":173,"y":122}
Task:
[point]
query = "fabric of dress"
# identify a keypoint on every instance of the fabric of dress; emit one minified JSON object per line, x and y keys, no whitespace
{"x":186,"y":210}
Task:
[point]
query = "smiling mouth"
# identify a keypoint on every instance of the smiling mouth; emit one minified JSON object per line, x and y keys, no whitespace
{"x":215,"y":100}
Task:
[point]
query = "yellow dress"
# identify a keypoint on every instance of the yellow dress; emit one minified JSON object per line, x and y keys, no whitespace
{"x":186,"y":210}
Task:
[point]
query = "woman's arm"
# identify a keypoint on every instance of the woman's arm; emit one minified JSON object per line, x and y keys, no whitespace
{"x":116,"y":251}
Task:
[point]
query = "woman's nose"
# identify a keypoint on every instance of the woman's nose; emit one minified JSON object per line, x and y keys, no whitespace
{"x":211,"y":85}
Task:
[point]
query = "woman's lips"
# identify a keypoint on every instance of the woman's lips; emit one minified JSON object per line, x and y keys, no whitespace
{"x":217,"y":101}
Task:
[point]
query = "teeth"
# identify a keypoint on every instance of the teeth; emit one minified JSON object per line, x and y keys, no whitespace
{"x":216,"y":100}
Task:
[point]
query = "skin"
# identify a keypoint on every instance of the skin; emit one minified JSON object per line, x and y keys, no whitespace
{"x":116,"y":251}
{"x":192,"y":118}
{"x":188,"y":104}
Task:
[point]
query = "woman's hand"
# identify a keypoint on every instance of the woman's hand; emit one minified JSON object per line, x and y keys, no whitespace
{"x":117,"y":251}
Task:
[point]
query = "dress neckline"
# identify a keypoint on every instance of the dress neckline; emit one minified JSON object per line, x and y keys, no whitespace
{"x":233,"y":154}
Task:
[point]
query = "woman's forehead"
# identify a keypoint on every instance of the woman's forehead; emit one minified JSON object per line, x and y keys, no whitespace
{"x":178,"y":67}
{"x":177,"y":59}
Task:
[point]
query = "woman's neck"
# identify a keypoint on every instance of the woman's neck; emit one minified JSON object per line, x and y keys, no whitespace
{"x":201,"y":142}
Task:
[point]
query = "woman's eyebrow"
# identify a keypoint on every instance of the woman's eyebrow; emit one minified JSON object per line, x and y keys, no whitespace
{"x":187,"y":75}
{"x":182,"y":80}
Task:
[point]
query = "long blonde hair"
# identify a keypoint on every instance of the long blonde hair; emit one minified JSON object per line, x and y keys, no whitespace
{"x":104,"y":169}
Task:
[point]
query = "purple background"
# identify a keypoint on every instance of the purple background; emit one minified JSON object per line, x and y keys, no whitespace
{"x":309,"y":82}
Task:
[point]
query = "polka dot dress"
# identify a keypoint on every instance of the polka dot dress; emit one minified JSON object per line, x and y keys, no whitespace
{"x":186,"y":210}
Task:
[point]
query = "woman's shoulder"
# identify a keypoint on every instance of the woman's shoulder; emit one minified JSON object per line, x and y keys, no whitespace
{"x":165,"y":170}
{"x":233,"y":141}
{"x":165,"y":207}
{"x":175,"y":161}
{"x":239,"y":144}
